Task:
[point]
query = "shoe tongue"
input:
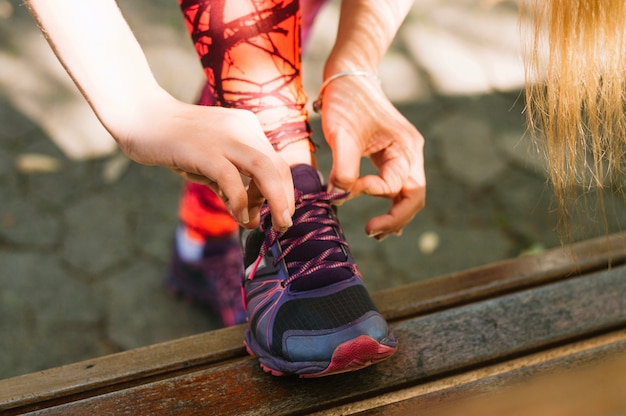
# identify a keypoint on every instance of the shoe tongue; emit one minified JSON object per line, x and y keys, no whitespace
{"x":306,"y":179}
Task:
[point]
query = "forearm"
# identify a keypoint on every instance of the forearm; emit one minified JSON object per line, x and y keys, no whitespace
{"x":100,"y":53}
{"x":366,"y":29}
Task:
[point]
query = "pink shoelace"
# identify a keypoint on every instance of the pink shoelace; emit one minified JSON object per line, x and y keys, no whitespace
{"x":318,"y":205}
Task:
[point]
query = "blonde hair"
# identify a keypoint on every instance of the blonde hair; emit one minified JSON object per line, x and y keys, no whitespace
{"x":575,"y":91}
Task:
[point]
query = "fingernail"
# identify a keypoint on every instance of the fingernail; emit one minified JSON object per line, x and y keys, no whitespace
{"x":337,"y":202}
{"x":253,"y":213}
{"x":245,"y":216}
{"x":229,"y":209}
{"x":381,"y":237}
{"x":374,"y":234}
{"x":287,"y":218}
{"x":334,"y":190}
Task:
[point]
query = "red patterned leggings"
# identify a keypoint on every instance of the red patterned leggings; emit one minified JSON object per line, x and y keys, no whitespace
{"x":250,"y":52}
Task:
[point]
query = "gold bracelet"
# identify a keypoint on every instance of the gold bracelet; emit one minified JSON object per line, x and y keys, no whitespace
{"x":317,"y":104}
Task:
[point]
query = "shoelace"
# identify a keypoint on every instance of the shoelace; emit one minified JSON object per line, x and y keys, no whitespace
{"x":318,"y":205}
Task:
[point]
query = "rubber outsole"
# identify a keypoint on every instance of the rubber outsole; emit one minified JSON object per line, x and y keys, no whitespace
{"x":352,"y":355}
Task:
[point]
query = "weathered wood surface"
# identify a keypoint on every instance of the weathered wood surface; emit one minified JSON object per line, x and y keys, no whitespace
{"x":502,"y":277}
{"x":581,"y":378}
{"x":448,"y":327}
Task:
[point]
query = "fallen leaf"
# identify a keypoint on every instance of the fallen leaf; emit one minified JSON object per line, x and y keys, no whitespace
{"x":428,"y":242}
{"x":114,"y":168}
{"x":30,"y":163}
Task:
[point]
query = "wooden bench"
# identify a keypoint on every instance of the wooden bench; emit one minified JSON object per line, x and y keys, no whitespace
{"x":461,"y":336}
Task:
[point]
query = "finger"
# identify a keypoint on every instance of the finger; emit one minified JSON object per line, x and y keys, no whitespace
{"x":255,"y":201}
{"x":272,"y":178}
{"x":270,"y":174}
{"x":394,"y":169}
{"x":202,"y":180}
{"x":404,"y":208}
{"x":230,"y":198}
{"x":232,"y":191}
{"x":346,"y":165}
{"x":374,"y":185}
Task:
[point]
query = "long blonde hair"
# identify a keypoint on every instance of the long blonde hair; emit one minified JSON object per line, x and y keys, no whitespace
{"x":576,"y":79}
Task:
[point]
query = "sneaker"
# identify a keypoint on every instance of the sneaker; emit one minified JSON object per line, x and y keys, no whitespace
{"x":308,"y":311}
{"x":214,"y":280}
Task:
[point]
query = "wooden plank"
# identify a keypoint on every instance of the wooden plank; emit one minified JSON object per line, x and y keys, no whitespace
{"x":592,"y":390}
{"x":503,"y":277}
{"x":432,"y":347}
{"x":166,"y":359}
{"x":595,"y":355}
{"x":123,"y":368}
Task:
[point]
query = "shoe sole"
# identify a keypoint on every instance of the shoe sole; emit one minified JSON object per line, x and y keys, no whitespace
{"x":352,"y":355}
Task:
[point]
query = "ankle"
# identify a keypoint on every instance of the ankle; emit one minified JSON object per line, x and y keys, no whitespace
{"x":298,"y":153}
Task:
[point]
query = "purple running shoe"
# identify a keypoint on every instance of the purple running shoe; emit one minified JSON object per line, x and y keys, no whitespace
{"x":308,"y":311}
{"x":214,"y":280}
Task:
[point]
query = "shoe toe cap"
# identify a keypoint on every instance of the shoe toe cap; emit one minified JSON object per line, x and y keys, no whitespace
{"x":319,"y":345}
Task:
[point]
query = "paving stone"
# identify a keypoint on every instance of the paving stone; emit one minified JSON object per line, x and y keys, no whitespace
{"x":153,"y":196}
{"x":46,"y":317}
{"x":13,"y":124}
{"x":468,"y":150}
{"x":154,"y":234}
{"x":6,"y":165}
{"x":460,"y":247}
{"x":35,"y":89}
{"x":376,"y":272}
{"x":523,"y":151}
{"x":529,"y":211}
{"x":452,"y":68}
{"x":77,"y":343}
{"x":594,"y":215}
{"x":60,"y":189}
{"x":511,"y":136}
{"x":40,"y":143}
{"x":23,"y":223}
{"x":466,"y":58}
{"x":16,"y":333}
{"x":400,"y":79}
{"x":141,"y":312}
{"x":367,"y":252}
{"x":56,"y":189}
{"x":155,"y":189}
{"x":41,"y":349}
{"x":54,"y":296}
{"x":97,"y":236}
{"x":449,"y":201}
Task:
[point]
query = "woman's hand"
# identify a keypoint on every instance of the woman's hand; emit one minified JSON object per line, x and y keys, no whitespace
{"x":222,"y":148}
{"x":358,"y":120}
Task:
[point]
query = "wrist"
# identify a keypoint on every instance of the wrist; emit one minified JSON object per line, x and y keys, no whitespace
{"x":317,"y":104}
{"x":346,"y":59}
{"x":142,"y":110}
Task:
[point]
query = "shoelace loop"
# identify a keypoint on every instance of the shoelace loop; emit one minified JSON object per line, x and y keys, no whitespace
{"x":319,"y":206}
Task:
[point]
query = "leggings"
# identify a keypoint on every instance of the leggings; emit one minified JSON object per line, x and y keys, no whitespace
{"x":250,"y":52}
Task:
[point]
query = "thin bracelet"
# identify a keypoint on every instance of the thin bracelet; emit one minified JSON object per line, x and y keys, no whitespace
{"x":317,"y":104}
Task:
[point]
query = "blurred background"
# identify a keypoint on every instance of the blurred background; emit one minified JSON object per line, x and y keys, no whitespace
{"x":85,"y":234}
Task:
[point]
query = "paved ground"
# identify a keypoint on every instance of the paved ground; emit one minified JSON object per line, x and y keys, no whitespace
{"x":84,"y":241}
